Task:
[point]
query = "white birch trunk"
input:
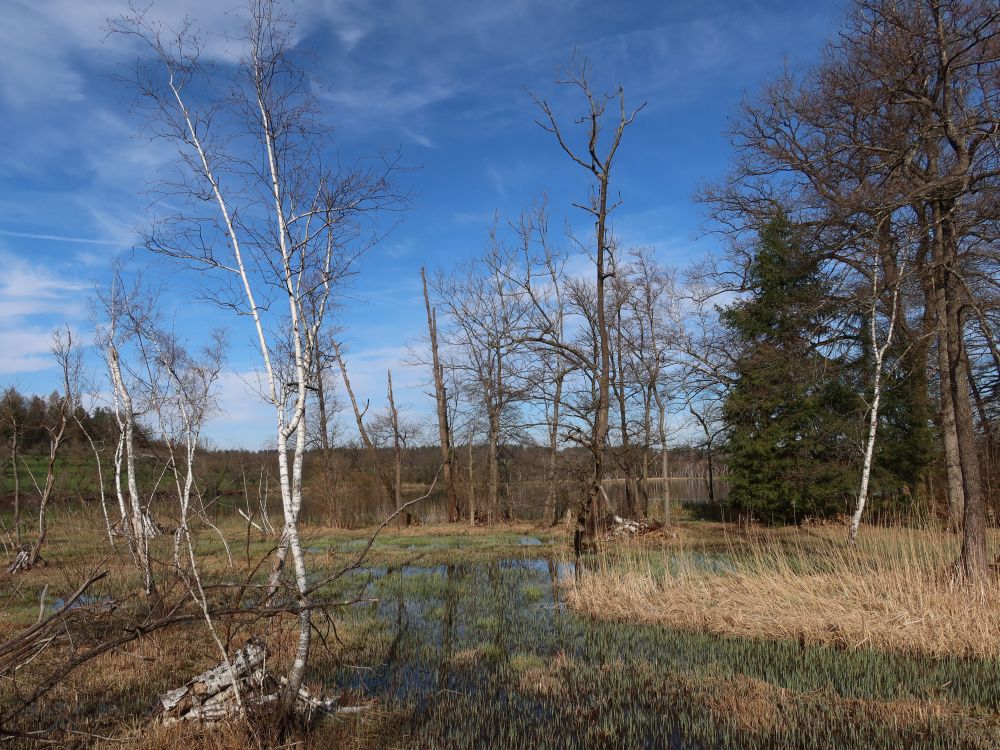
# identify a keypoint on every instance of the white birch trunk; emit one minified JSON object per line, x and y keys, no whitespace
{"x":879,"y":353}
{"x":138,"y":533}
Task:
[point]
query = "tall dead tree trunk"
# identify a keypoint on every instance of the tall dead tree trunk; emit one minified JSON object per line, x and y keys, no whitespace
{"x":551,"y":510}
{"x":441,"y":397}
{"x":397,"y":451}
{"x":359,"y":414}
{"x":63,"y":351}
{"x":14,"y":461}
{"x":359,"y":419}
{"x":599,"y":167}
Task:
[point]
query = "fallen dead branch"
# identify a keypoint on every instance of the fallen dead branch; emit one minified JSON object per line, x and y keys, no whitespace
{"x":21,"y":561}
{"x":213,"y":695}
{"x":615,"y":527}
{"x":26,"y":645}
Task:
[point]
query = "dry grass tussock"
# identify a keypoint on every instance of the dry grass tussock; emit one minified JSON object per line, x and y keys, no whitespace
{"x":894,"y":591}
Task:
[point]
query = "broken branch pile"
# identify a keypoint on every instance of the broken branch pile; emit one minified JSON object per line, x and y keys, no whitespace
{"x":214,"y":695}
{"x":616,"y":527}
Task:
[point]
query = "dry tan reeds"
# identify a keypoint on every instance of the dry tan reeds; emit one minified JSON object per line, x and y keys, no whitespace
{"x":894,"y":591}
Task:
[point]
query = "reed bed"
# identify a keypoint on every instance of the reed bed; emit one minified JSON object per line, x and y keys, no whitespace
{"x":896,"y":591}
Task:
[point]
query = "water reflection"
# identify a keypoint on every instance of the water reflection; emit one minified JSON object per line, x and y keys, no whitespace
{"x":485,"y":654}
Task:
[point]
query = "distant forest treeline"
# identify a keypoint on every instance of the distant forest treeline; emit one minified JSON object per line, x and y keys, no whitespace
{"x":346,"y":485}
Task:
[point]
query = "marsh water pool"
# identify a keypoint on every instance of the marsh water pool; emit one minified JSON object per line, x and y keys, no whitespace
{"x":486,"y":654}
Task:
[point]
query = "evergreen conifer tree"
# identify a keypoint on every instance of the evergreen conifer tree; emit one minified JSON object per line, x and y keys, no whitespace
{"x":792,"y":414}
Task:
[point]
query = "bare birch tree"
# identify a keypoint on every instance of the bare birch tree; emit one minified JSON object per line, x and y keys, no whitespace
{"x":68,"y":359}
{"x":286,"y":226}
{"x":879,"y":350}
{"x":124,"y":314}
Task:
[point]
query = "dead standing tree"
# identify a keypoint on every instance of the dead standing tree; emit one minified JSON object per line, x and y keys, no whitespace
{"x":597,"y":159}
{"x":68,"y":359}
{"x":485,"y":312}
{"x":397,"y":450}
{"x":359,"y":413}
{"x":285,"y":227}
{"x":371,"y":440}
{"x":441,"y":400}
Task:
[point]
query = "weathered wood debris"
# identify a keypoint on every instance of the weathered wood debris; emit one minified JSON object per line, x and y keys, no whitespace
{"x":213,"y":695}
{"x":21,"y":561}
{"x":149,"y":526}
{"x":616,"y":527}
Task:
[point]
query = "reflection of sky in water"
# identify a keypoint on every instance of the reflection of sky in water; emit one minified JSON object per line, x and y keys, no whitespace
{"x":460,"y":635}
{"x":84,"y":600}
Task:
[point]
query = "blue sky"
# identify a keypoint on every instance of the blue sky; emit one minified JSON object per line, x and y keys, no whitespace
{"x":441,"y":80}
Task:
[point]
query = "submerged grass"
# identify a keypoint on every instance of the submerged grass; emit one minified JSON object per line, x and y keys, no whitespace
{"x":478,"y":660}
{"x":895,"y":590}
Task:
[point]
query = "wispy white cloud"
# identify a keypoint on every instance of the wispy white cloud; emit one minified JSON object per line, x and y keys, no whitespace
{"x":26,"y":350}
{"x":57,"y":238}
{"x":419,"y":138}
{"x":34,"y":301}
{"x":244,"y":419}
{"x":497,"y":180}
{"x":46,"y":44}
{"x":480,"y":219}
{"x":29,"y":289}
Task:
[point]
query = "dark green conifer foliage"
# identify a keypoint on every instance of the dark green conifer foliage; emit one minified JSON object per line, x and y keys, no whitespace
{"x":905,"y":448}
{"x":792,"y":415}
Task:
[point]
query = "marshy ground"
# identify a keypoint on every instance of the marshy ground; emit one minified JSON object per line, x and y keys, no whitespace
{"x":707,"y":637}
